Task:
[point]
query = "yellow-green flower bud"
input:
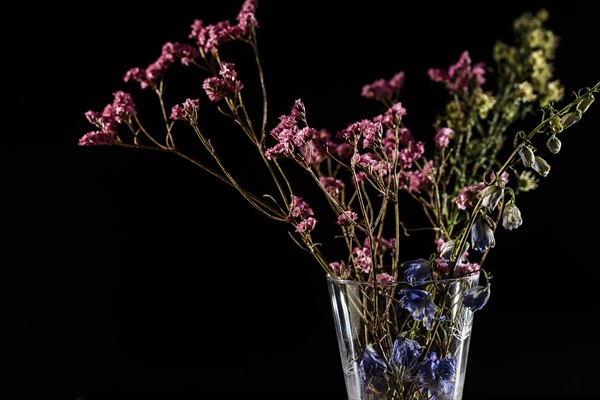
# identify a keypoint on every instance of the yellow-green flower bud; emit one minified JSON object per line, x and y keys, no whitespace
{"x":526,"y":92}
{"x":555,"y":92}
{"x":485,"y":103}
{"x":553,"y":144}
{"x":555,"y":124}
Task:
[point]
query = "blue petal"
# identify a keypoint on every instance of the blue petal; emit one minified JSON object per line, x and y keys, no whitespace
{"x":482,"y":235}
{"x":372,"y":363}
{"x":417,"y":271}
{"x":477,"y":297}
{"x":406,"y":352}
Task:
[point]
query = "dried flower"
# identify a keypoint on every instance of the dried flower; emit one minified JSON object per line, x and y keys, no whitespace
{"x":477,"y":297}
{"x":417,"y":271}
{"x":482,"y":234}
{"x":585,"y":102}
{"x":554,"y":144}
{"x":541,"y":166}
{"x":365,"y":170}
{"x":511,"y":216}
{"x":418,"y":303}
{"x":406,"y":352}
{"x":570,"y":118}
{"x":527,"y":156}
{"x":527,"y":181}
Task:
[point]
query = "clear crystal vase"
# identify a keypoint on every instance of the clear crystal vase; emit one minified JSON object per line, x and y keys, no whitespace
{"x":401,"y":341}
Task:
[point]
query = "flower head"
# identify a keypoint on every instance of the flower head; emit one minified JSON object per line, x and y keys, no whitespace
{"x":188,"y":111}
{"x":406,"y":352}
{"x":417,"y":271}
{"x":372,"y":363}
{"x":477,"y":297}
{"x":482,"y":234}
{"x":420,"y":305}
{"x":443,"y":136}
{"x":225,"y":86}
{"x":460,"y":77}
{"x":437,"y":375}
{"x":382,"y":89}
{"x":511,"y":216}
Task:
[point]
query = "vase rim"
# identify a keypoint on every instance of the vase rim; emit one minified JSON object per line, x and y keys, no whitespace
{"x":347,"y":281}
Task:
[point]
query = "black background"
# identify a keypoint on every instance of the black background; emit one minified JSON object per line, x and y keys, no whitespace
{"x":129,"y":275}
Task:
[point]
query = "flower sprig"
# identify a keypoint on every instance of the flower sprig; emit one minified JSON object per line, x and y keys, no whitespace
{"x":554,"y":122}
{"x":465,"y":179}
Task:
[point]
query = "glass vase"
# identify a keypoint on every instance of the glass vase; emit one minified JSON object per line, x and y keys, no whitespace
{"x":403,"y":341}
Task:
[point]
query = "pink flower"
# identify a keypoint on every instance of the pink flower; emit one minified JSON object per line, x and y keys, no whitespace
{"x":467,"y":198}
{"x":381,"y":89}
{"x":460,"y":77}
{"x":226,"y":86}
{"x":443,"y":136}
{"x":346,"y":218}
{"x":188,"y":111}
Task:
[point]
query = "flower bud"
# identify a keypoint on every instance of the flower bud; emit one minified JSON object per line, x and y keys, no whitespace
{"x":477,"y":297}
{"x":446,"y":249}
{"x":555,"y":124}
{"x":570,"y":118}
{"x":541,"y":166}
{"x":482,"y":234}
{"x":511,"y":217}
{"x":585,"y":102}
{"x":372,"y":363}
{"x":417,"y":271}
{"x":527,"y":156}
{"x":491,"y":195}
{"x":553,"y":144}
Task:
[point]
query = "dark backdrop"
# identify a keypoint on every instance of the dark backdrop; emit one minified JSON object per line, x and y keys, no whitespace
{"x":133,"y":276}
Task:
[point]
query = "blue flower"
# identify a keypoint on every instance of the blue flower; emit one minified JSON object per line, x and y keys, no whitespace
{"x":373,"y":371}
{"x":372,"y":363}
{"x":406,"y":352}
{"x":476,"y":297}
{"x":482,"y":234}
{"x":437,"y":375}
{"x":446,"y":369}
{"x":427,"y":371}
{"x":418,"y":303}
{"x":417,"y":271}
{"x":446,"y":372}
